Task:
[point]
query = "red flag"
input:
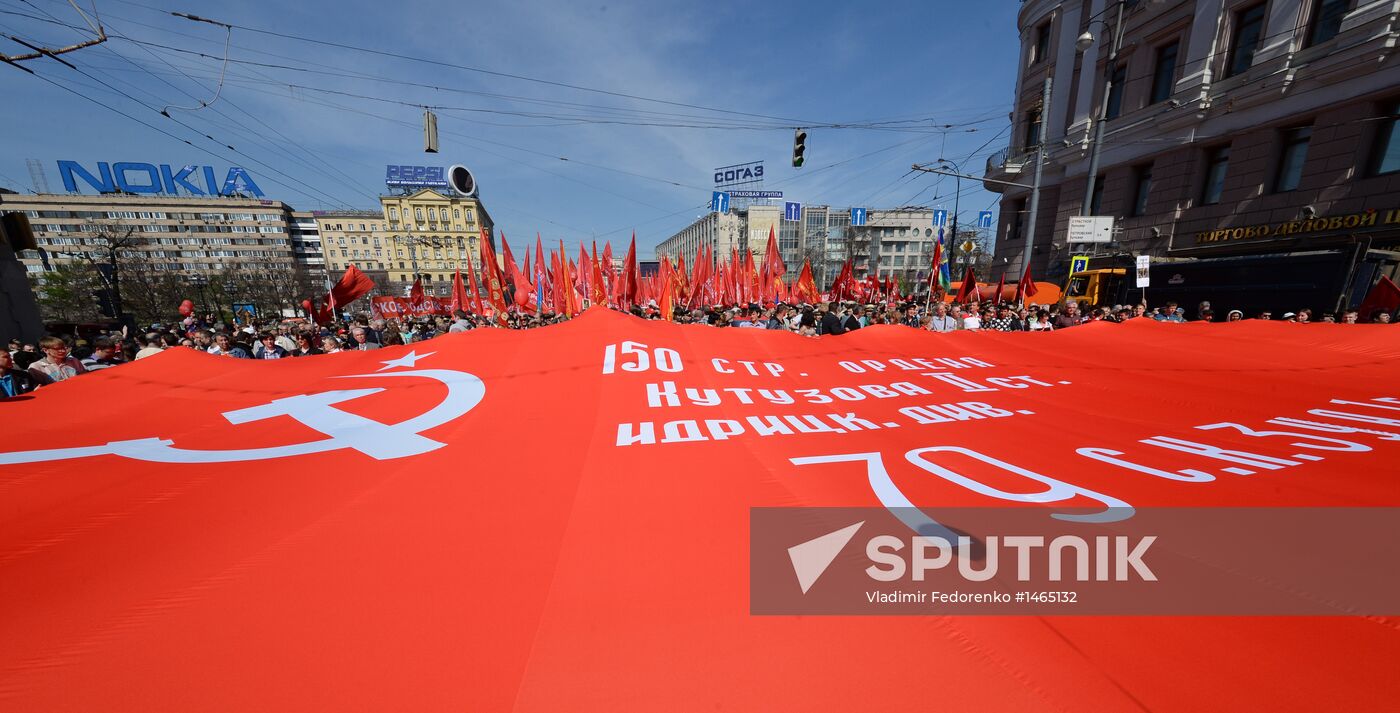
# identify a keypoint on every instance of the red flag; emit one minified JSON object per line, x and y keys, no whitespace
{"x":519,"y":283}
{"x":491,"y":274}
{"x":566,"y":281}
{"x":543,"y":291}
{"x":597,"y":285}
{"x":805,"y":290}
{"x":1383,"y":297}
{"x":838,"y":285}
{"x":1026,"y":287}
{"x":937,"y":267}
{"x":419,"y":305}
{"x":630,"y":278}
{"x":557,"y":281}
{"x":681,"y":279}
{"x":326,"y":314}
{"x":459,"y":291}
{"x":352,"y":286}
{"x":969,"y":286}
{"x":476,"y":289}
{"x":750,"y":284}
{"x":1001,"y":285}
{"x":609,"y":277}
{"x":666,"y":283}
{"x":699,"y":279}
{"x":773,"y":267}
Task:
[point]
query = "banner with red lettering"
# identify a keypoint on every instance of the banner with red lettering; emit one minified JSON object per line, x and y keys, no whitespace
{"x":594,"y":516}
{"x":406,"y":308}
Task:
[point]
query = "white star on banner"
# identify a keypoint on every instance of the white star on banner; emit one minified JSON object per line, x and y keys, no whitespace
{"x":410,"y":359}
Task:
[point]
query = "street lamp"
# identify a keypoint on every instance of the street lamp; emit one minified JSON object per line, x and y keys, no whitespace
{"x":230,"y":289}
{"x":199,"y":281}
{"x":1082,"y":44}
{"x":957,"y":193}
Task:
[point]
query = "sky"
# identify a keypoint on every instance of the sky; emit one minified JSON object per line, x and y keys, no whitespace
{"x":659,"y":93}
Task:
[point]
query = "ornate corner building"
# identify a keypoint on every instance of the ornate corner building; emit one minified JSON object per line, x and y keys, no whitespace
{"x":1231,"y":127}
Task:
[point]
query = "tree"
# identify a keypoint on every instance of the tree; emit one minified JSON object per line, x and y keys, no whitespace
{"x":65,"y":293}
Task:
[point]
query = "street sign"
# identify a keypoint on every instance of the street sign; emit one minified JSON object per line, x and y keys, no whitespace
{"x":792,"y":211}
{"x":1078,"y":264}
{"x":857,"y":217}
{"x":940,"y":217}
{"x":968,"y":246}
{"x":1144,"y":267}
{"x":1090,"y":229}
{"x":984,"y":219}
{"x":719,"y":202}
{"x":756,"y":194}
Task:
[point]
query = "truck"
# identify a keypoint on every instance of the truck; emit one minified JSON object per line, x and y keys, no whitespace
{"x":1324,"y":280}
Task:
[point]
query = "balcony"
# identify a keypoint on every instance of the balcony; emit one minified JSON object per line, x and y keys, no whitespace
{"x":1007,"y":166}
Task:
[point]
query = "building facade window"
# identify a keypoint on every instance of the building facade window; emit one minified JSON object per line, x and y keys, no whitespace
{"x":1142,"y":187}
{"x":1116,"y":78}
{"x":1387,"y":150}
{"x":1016,"y":230}
{"x":1032,"y":138}
{"x":1041,"y":48}
{"x":1293,"y":155}
{"x":1164,"y":73}
{"x":418,"y":213}
{"x":1249,"y":26}
{"x":1217,"y":163}
{"x":1326,"y":20}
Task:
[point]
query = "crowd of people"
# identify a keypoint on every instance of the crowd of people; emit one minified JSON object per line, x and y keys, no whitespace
{"x":25,"y":367}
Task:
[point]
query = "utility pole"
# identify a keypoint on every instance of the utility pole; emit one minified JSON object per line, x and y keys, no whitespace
{"x":1097,"y":147}
{"x":1039,"y":168}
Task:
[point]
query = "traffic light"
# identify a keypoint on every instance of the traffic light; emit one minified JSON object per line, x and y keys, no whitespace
{"x":105,"y":303}
{"x":799,"y":147}
{"x":430,"y":134}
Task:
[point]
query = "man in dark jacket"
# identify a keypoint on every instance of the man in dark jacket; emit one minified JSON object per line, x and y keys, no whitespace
{"x":849,"y":321}
{"x":13,"y":382}
{"x":831,"y":320}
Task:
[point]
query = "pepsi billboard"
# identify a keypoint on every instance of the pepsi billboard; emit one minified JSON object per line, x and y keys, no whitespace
{"x":416,"y":176}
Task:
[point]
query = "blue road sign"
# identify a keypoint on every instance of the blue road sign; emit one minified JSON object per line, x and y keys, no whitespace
{"x":940,"y":217}
{"x":719,"y":202}
{"x":792,"y":211}
{"x":984,"y":219}
{"x":857,"y":216}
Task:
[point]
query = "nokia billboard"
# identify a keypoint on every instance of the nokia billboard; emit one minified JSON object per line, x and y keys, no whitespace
{"x":157,"y":178}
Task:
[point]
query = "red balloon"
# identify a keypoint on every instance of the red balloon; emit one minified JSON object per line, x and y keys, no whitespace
{"x":186,"y":308}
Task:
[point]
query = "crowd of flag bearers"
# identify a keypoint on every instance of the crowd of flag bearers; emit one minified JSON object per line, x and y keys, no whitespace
{"x":560,"y":285}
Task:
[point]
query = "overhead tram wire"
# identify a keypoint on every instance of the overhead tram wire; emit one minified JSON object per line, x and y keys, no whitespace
{"x":673,"y":183}
{"x":478,"y":139}
{"x":310,"y":154}
{"x":919,"y":124}
{"x":333,"y":199}
{"x":543,"y":154}
{"x":152,"y":127}
{"x":254,"y":136}
{"x":473,"y":139}
{"x":489,"y":72}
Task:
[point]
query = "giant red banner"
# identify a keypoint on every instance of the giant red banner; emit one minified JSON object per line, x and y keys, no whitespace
{"x":559,"y":519}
